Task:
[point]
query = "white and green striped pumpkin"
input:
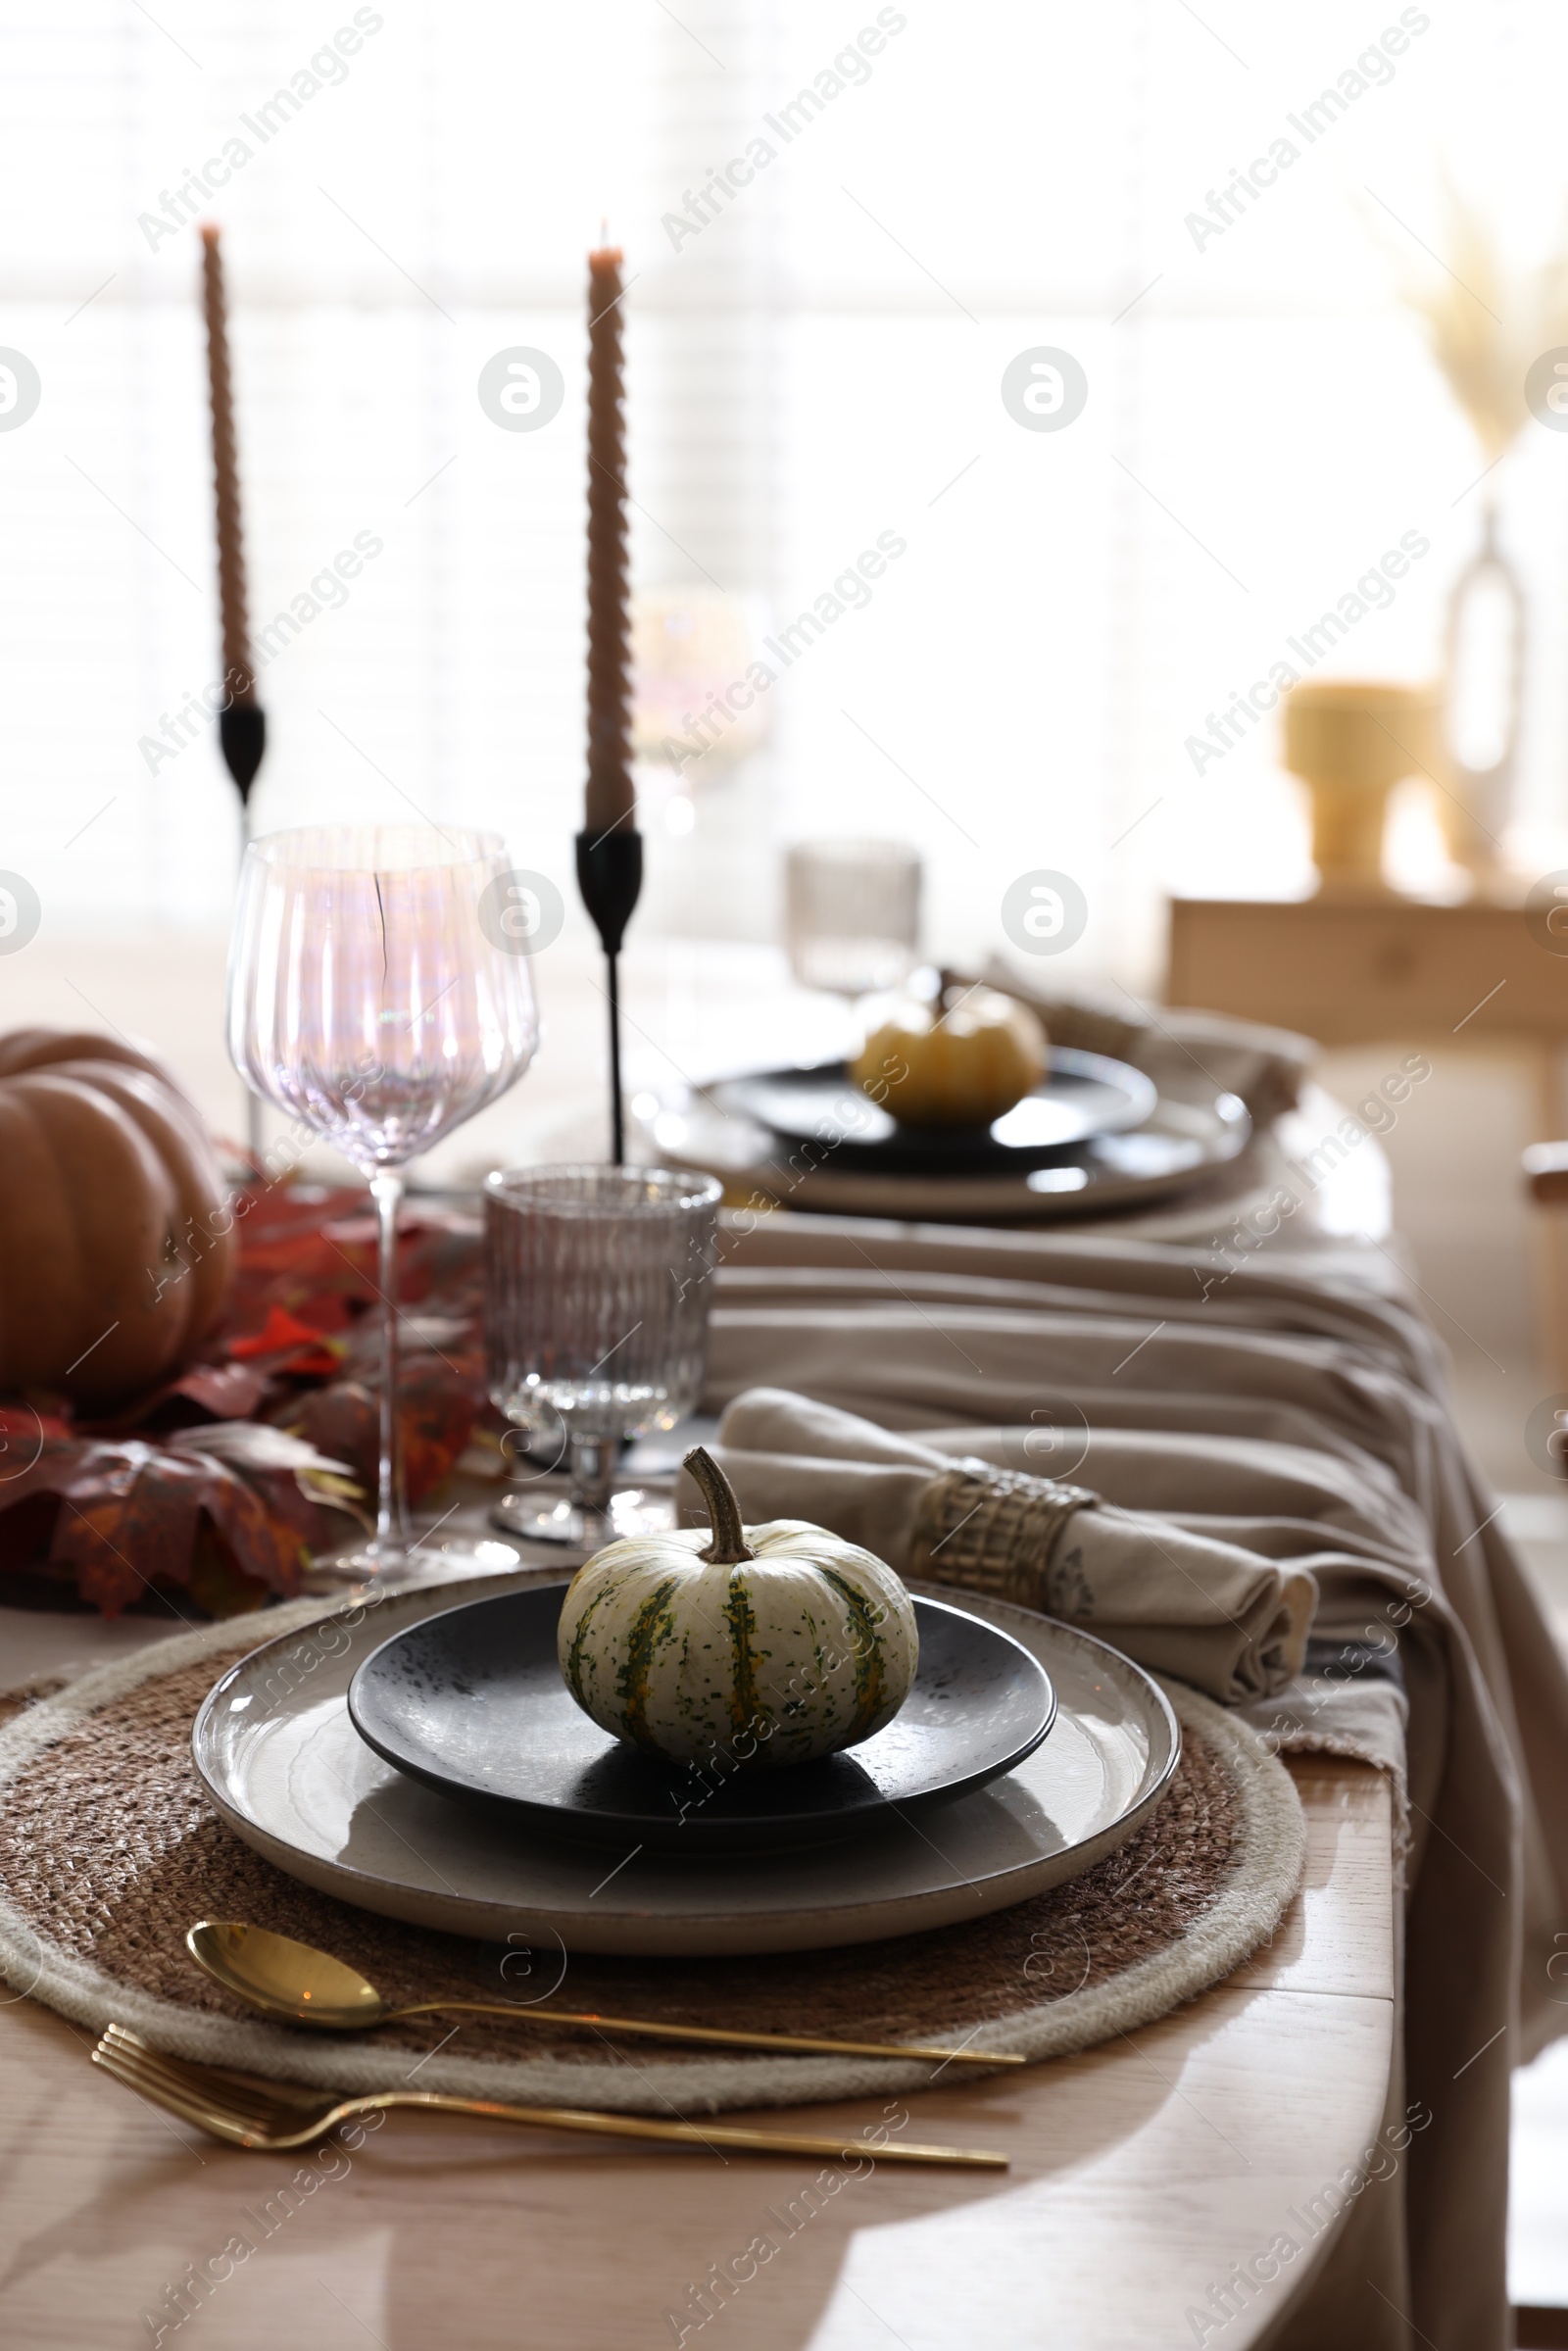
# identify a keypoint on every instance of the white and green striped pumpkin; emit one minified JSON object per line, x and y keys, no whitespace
{"x":763,"y":1646}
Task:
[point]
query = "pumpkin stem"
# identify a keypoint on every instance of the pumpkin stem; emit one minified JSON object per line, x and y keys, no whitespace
{"x":729,"y":1545}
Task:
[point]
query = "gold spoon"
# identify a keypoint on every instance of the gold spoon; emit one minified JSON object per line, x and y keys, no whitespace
{"x":300,"y":1986}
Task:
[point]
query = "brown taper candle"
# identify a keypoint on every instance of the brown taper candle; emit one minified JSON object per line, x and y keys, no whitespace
{"x":612,"y":801}
{"x":238,"y":675}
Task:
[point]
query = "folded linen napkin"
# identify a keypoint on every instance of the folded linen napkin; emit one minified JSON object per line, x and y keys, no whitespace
{"x":1230,"y":1622}
{"x":1266,"y":1067}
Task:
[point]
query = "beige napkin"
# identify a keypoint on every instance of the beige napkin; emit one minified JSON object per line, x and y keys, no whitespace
{"x":1230,"y":1622}
{"x":1266,"y":1067}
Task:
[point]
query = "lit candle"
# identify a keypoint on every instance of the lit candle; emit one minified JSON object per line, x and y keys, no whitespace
{"x":238,"y":675}
{"x":612,"y":801}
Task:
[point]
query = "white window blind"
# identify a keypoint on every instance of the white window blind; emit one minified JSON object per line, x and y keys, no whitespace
{"x":814,"y":363}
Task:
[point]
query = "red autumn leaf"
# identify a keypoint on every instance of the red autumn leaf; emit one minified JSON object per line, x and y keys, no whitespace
{"x":26,"y":1421}
{"x":222,"y":1391}
{"x":132,"y":1517}
{"x":436,"y":1413}
{"x":228,"y":1390}
{"x":128,"y":1518}
{"x":290,"y":1346}
{"x":25,"y":1527}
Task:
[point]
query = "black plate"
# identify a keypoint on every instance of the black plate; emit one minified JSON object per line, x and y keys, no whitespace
{"x":472,"y":1703}
{"x":1082,"y":1095}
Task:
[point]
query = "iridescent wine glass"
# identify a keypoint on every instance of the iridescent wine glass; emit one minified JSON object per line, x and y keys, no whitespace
{"x":375,"y":998}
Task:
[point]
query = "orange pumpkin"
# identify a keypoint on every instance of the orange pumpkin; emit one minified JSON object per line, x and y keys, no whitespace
{"x":111,"y":1264}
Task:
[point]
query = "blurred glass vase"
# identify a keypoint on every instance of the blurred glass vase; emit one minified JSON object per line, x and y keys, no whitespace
{"x":1485,"y":661}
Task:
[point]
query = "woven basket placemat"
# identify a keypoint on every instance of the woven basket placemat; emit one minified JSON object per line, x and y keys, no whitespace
{"x":109,"y":1850}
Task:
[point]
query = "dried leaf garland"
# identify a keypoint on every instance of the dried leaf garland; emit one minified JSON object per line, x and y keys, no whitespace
{"x":223,"y":1484}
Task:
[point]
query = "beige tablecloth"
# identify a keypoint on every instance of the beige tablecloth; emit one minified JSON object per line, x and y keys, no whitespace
{"x":1296,"y":1410}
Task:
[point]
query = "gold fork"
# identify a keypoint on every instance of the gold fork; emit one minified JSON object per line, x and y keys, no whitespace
{"x":270,"y":2116}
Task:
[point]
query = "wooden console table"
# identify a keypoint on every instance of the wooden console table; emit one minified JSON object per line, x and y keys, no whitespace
{"x":1364,"y":971}
{"x":1393,"y":971}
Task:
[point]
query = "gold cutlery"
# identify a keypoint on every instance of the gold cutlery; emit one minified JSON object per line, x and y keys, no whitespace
{"x":300,"y":1986}
{"x":271,"y":2116}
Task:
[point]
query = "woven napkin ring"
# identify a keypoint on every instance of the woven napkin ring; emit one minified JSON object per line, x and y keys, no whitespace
{"x":994,"y":1531}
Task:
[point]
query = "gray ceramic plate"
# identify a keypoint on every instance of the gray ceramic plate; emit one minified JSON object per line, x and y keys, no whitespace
{"x":283,"y":1765}
{"x":472,"y":1703}
{"x":1194,"y":1130}
{"x":1082,"y":1095}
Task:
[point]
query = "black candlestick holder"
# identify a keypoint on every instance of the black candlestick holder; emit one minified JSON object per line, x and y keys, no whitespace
{"x":242,"y":734}
{"x":610,"y":876}
{"x":242,"y":738}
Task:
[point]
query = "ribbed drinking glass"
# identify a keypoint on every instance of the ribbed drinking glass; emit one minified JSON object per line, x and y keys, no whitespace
{"x":596,"y":1311}
{"x":851,"y":914}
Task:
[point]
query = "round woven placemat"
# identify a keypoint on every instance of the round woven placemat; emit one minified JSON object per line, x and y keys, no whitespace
{"x":109,"y":1850}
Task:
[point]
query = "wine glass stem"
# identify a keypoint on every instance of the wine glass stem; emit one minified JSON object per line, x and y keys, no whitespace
{"x":593,"y":1470}
{"x":391,"y":1516}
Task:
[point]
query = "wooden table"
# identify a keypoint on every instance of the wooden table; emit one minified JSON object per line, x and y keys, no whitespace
{"x":1142,"y":2170}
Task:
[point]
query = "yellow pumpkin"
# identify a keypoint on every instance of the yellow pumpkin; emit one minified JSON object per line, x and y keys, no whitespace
{"x":963,"y":1068}
{"x":112,"y":1262}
